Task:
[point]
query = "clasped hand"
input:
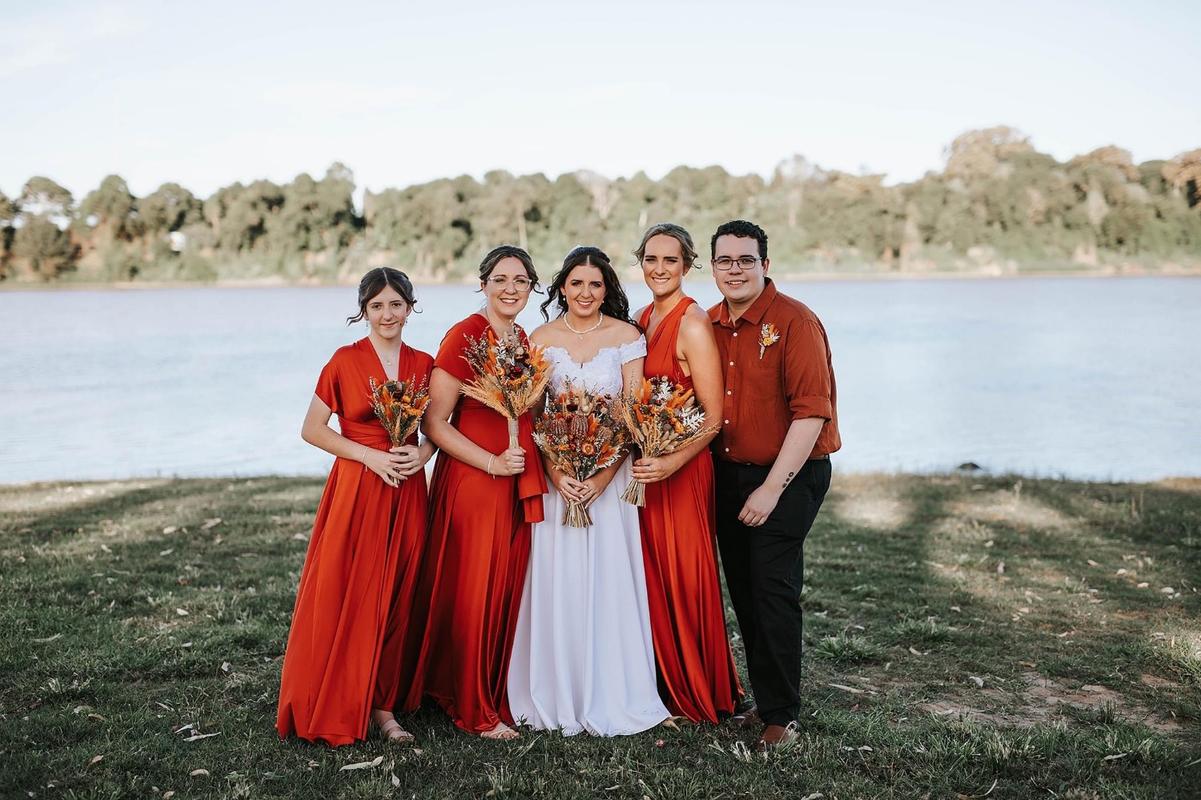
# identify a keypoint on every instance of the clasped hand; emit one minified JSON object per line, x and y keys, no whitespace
{"x":509,"y":462}
{"x":582,"y":492}
{"x":395,"y":465}
{"x":651,"y":470}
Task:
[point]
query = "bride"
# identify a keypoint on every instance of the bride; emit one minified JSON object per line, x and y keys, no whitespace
{"x":582,"y":654}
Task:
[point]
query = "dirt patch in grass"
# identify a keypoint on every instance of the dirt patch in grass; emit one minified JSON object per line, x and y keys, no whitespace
{"x":1012,"y":508}
{"x":1042,"y":700}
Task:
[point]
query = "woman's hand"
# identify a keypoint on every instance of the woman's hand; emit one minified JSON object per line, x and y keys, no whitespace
{"x":509,"y":462}
{"x":595,"y":485}
{"x":413,"y":458}
{"x":571,"y":489}
{"x":651,"y":470}
{"x":389,"y":466}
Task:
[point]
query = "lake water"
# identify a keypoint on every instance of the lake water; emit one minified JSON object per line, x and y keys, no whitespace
{"x":1087,"y":378}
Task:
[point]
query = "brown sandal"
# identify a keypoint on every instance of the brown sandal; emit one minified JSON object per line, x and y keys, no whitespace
{"x":390,"y":728}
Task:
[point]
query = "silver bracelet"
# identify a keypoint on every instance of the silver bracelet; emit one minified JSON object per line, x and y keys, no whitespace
{"x":488,"y":469}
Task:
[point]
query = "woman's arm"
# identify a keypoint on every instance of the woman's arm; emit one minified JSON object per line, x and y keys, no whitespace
{"x":444,"y":396}
{"x":700,"y":352}
{"x":316,"y":431}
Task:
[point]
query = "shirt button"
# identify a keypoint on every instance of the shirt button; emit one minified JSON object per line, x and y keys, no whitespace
{"x":729,"y":391}
{"x":731,"y":363}
{"x":727,"y":422}
{"x":735,"y":333}
{"x":727,"y":449}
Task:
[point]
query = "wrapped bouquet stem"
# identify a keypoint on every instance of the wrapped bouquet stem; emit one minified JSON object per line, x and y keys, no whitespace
{"x":580,"y":436}
{"x":662,"y":418}
{"x":510,"y":375}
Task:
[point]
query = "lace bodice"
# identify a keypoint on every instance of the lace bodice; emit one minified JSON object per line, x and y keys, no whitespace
{"x":601,"y":374}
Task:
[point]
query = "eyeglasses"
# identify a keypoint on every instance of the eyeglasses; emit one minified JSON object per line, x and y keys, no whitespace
{"x":519,"y":283}
{"x":725,"y":262}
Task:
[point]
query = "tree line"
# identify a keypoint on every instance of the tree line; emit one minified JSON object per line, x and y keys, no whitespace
{"x":997,"y":203}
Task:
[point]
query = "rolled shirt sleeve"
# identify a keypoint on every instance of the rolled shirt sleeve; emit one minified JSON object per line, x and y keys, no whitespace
{"x":807,"y":381}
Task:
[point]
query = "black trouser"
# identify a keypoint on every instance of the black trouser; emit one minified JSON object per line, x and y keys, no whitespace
{"x":764,"y":569}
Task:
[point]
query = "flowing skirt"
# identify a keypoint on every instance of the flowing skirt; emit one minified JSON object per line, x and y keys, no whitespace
{"x":583,"y":658}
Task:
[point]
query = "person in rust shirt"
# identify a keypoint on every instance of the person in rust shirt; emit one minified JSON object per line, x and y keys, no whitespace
{"x":779,"y":426}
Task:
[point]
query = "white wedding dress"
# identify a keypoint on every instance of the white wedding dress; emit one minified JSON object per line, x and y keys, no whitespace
{"x":583,"y":659}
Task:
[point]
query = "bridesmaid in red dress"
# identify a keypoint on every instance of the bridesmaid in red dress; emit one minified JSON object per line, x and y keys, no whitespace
{"x":484,"y":495}
{"x":697,"y":678}
{"x":354,"y":603}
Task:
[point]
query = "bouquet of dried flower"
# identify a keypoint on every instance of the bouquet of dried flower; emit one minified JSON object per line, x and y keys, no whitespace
{"x":399,"y":406}
{"x":662,"y":417}
{"x":580,"y":436}
{"x":510,"y":375}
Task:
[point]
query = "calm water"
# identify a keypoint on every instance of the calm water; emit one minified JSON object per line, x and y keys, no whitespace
{"x":1089,"y":378}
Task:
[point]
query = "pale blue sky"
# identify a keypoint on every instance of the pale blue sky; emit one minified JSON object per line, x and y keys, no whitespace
{"x":402,"y":92}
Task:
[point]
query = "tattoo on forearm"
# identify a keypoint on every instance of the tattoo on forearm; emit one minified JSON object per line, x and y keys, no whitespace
{"x":788,"y":480}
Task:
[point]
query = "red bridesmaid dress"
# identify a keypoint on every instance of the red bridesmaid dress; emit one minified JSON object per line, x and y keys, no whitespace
{"x":355,"y":599}
{"x":475,"y":559}
{"x":697,"y":678}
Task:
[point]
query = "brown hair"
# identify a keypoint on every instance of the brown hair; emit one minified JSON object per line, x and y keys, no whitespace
{"x":498,"y":254}
{"x":375,"y":281}
{"x":687,"y":248}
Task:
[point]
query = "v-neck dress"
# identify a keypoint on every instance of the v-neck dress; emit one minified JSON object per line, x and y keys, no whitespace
{"x":697,"y":677}
{"x":354,"y":602}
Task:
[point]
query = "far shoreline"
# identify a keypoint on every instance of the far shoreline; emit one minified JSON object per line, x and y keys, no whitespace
{"x":275,"y":282}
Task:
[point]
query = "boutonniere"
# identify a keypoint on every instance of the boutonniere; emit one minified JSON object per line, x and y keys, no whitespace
{"x":769,"y":334}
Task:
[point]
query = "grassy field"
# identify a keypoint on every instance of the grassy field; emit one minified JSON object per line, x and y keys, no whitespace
{"x":965,"y":637}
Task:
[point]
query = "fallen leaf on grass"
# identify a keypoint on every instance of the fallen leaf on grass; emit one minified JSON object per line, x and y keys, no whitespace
{"x":395,"y":780}
{"x":850,"y":689}
{"x":1000,"y":567}
{"x":814,"y":796}
{"x":1092,"y":563}
{"x":300,"y":537}
{"x":166,"y":552}
{"x":362,"y":764}
{"x":170,"y":529}
{"x":915,"y":651}
{"x":227,"y":667}
{"x":1115,"y":757}
{"x":1143,"y":585}
{"x":199,"y":736}
{"x":198,"y":773}
{"x":978,"y":681}
{"x":210,"y":523}
{"x":168,"y":795}
{"x":48,"y":639}
{"x":95,"y":760}
{"x":181,"y":612}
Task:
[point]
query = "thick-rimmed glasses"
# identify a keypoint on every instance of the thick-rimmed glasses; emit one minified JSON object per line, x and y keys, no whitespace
{"x":520,"y":284}
{"x":724,"y":263}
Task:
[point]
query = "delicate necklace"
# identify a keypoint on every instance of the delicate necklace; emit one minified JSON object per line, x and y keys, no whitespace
{"x":580,"y":334}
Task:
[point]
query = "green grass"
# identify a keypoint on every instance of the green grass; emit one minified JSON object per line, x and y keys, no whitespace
{"x":962,"y":635}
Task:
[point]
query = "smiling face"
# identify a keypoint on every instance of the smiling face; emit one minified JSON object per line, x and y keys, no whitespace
{"x":739,"y":284}
{"x":507,"y":288}
{"x":387,"y":312}
{"x":663,"y":265}
{"x":584,"y":290}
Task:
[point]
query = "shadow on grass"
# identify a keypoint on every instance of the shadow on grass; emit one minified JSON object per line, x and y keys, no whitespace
{"x":141,"y":617}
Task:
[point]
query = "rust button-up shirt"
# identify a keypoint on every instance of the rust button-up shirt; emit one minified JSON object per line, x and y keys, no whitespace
{"x":771,"y":383}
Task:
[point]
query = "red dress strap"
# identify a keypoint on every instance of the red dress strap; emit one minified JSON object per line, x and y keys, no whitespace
{"x":661,"y":345}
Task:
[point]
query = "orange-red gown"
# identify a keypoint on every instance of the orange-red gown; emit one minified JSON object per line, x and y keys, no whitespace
{"x":475,"y":559}
{"x":697,"y":677}
{"x":356,"y":590}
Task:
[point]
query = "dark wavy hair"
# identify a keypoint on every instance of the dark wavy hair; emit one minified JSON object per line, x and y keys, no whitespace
{"x":743,"y":230}
{"x":375,"y":281}
{"x":498,"y":254}
{"x":615,"y":304}
{"x":687,"y":248}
